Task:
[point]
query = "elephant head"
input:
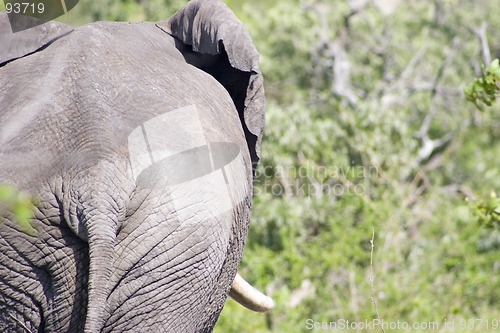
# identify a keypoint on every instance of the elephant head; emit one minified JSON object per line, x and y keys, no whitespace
{"x":139,"y":142}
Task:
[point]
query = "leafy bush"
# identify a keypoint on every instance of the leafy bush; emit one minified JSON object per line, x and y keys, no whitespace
{"x":17,"y":206}
{"x":484,"y":89}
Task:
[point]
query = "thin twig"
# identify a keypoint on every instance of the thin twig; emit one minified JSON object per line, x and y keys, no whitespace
{"x":480,"y":33}
{"x":374,"y":301}
{"x":19,"y":322}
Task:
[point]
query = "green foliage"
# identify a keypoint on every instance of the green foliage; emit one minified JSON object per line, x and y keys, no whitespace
{"x":116,"y":10}
{"x":18,"y":206}
{"x":384,"y":140}
{"x":487,"y":211}
{"x":484,"y":89}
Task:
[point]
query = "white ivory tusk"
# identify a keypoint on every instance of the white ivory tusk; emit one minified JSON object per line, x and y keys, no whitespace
{"x":252,"y":299}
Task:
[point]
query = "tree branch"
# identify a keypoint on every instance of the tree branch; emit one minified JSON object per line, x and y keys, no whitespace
{"x":372,"y":278}
{"x":480,"y":33}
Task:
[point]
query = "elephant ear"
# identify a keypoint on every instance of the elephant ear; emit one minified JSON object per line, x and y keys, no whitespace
{"x":25,"y":42}
{"x":211,"y":38}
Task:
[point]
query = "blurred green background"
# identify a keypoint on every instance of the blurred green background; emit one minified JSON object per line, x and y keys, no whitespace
{"x":368,"y":130}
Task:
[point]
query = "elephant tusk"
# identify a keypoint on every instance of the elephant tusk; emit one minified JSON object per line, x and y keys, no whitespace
{"x":252,"y":299}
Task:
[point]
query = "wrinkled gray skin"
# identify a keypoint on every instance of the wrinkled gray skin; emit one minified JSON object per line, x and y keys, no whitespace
{"x":112,"y":252}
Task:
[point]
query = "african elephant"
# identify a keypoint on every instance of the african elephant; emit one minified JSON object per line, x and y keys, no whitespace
{"x":138,"y":143}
